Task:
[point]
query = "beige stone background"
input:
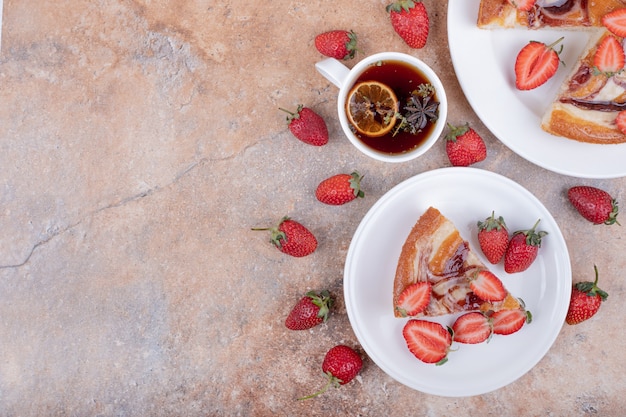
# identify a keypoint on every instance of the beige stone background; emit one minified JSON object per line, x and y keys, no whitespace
{"x":139,"y":143}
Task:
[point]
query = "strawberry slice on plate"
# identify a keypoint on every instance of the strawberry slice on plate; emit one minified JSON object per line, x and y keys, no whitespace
{"x":487,"y":286}
{"x":535,"y":64}
{"x":507,"y":322}
{"x":472,"y":328}
{"x":609,"y":57}
{"x":616,"y":22}
{"x":414,"y":299}
{"x":427,"y":340}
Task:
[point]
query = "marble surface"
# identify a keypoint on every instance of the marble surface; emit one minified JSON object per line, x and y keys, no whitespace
{"x":140,"y":143}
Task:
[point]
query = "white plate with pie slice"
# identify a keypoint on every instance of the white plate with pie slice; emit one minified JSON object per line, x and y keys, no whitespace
{"x":484,"y":62}
{"x":465,"y":196}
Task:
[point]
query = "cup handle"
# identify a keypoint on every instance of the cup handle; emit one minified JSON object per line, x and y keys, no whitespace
{"x":333,"y":70}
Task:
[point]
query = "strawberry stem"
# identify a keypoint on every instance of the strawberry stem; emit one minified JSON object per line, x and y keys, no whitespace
{"x":332,"y":380}
{"x":293,"y":115}
{"x":591,"y":288}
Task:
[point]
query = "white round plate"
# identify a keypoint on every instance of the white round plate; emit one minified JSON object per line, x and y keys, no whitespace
{"x":484,"y":62}
{"x":465,"y":196}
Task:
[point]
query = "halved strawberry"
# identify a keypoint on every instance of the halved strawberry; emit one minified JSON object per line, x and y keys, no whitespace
{"x":414,"y":299}
{"x":620,"y":120}
{"x":609,"y":57}
{"x":472,"y":328}
{"x":427,"y":340}
{"x":523,"y":5}
{"x":487,"y":286}
{"x":509,"y":321}
{"x":616,"y":22}
{"x":536,"y":63}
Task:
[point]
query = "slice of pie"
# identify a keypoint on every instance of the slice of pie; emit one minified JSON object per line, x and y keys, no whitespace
{"x":578,"y":14}
{"x":589,"y":101}
{"x":435,"y":252}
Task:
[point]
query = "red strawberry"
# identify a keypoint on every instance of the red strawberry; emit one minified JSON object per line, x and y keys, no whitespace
{"x":464,"y":146}
{"x":493,"y":237}
{"x":487,"y":286}
{"x":338,"y":44}
{"x":594,"y":204}
{"x":472,"y":328}
{"x":340,"y":189}
{"x":522,"y":250}
{"x":341,"y":364}
{"x":409,"y":19}
{"x":414,"y":299}
{"x":307,"y":126}
{"x":536,"y":63}
{"x":292,"y":238}
{"x":506,"y":322}
{"x":309,"y":311}
{"x":620,"y":121}
{"x":427,"y":340}
{"x":523,"y":5}
{"x":609,"y":57}
{"x":585,"y":301}
{"x":616,"y":22}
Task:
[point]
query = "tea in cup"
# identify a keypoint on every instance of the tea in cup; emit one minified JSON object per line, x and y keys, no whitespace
{"x":391,"y":106}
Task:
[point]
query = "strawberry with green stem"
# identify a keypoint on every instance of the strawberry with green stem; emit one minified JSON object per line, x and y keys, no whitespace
{"x":523,"y":249}
{"x":464,"y":146}
{"x":585,"y":300}
{"x":307,"y":126}
{"x":493,"y":237}
{"x":409,"y":18}
{"x":291,"y":237}
{"x":340,"y":366}
{"x":338,"y":44}
{"x":340,"y":189}
{"x":311,"y":310}
{"x":594,"y":204}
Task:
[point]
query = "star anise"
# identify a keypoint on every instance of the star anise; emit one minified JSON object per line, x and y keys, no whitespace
{"x":420,"y":111}
{"x":421,"y":108}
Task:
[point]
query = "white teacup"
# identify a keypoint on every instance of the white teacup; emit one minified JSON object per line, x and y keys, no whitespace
{"x":344,"y":78}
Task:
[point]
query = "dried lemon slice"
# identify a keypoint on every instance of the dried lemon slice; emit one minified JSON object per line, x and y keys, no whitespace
{"x":371,"y":108}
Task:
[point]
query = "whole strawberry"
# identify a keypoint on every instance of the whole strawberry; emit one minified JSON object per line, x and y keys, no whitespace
{"x":309,"y":311}
{"x":340,"y":189}
{"x":523,"y":249}
{"x":307,"y":126}
{"x":464,"y":146}
{"x":585,"y":301}
{"x":493,"y":237}
{"x":341,"y":364}
{"x":594,"y":204}
{"x":292,"y":238}
{"x":338,"y":44}
{"x":409,"y":18}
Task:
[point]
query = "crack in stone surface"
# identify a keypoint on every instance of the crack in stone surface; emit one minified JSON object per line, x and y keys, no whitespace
{"x":117,"y":204}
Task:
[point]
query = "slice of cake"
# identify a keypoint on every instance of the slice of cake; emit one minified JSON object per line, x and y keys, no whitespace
{"x":578,"y":14}
{"x":438,"y":266}
{"x":589,"y":99}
